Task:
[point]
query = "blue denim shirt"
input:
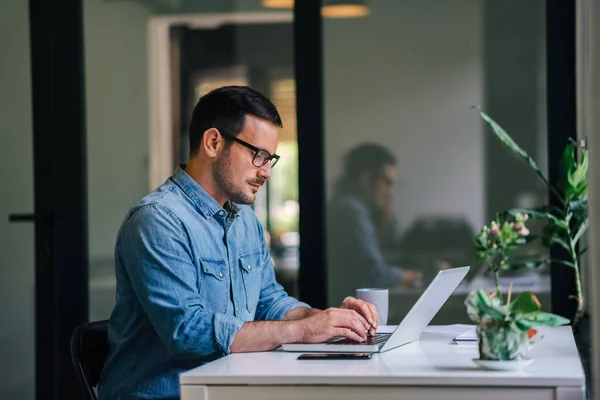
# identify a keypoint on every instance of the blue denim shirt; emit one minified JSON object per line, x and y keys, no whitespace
{"x":355,"y":258}
{"x":189,"y":275}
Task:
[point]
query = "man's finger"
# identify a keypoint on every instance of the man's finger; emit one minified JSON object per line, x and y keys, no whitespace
{"x":375,"y":314}
{"x":358,"y":327}
{"x":350,"y":313}
{"x":349,"y":333}
{"x":362,"y":308}
{"x":351,"y":319}
{"x":366,"y":311}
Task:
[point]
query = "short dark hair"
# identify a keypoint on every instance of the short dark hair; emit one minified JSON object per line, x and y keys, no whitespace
{"x":226,"y":108}
{"x":367,"y":157}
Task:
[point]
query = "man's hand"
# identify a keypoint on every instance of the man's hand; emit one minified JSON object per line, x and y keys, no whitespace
{"x":366,"y":310}
{"x":330,"y":323}
{"x":300,"y":313}
{"x":411,"y":278}
{"x":305,"y":325}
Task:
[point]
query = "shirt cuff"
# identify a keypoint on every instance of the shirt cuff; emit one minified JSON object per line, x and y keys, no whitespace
{"x":284,"y":306}
{"x":225,"y":329}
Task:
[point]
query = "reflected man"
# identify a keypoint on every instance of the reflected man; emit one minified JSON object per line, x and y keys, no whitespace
{"x":358,"y":219}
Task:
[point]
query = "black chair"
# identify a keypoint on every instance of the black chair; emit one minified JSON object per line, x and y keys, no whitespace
{"x":89,"y":348}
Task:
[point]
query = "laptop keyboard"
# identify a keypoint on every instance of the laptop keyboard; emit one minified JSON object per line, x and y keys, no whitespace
{"x":371,"y":340}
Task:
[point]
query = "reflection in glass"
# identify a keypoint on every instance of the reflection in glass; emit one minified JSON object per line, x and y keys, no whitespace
{"x":403,"y":79}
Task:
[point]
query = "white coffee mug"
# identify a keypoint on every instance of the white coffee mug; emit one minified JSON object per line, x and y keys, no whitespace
{"x":379,"y":298}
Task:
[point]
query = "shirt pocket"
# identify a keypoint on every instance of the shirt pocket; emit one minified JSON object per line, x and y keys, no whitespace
{"x":214,"y":283}
{"x":252,"y":267}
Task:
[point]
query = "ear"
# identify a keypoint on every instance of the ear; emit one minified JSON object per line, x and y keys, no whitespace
{"x":212,"y":142}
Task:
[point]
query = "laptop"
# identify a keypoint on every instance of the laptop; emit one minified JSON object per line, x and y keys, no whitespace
{"x":409,"y":330}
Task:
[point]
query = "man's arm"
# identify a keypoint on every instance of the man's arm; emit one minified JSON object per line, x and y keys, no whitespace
{"x":155,"y":253}
{"x":274,"y":304}
{"x":300,"y":313}
{"x":316,"y":328}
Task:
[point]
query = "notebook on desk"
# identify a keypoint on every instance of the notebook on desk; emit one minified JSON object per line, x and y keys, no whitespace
{"x":409,"y":330}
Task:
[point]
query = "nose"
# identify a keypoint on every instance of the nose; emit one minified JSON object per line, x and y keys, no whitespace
{"x":264,"y":172}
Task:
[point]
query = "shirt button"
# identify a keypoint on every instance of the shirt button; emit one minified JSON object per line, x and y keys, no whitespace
{"x":221,"y":274}
{"x":220,"y":212}
{"x":249,"y":267}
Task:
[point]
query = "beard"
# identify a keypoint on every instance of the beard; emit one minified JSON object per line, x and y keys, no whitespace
{"x":223,"y":176}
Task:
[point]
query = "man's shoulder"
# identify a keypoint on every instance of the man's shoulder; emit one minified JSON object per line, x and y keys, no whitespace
{"x":162,"y":203}
{"x":347,"y":203}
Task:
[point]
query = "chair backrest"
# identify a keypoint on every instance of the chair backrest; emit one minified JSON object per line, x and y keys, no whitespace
{"x":89,"y":348}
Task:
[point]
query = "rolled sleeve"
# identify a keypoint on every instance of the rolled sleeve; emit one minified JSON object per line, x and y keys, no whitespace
{"x":280,"y":308}
{"x":274,"y":302}
{"x":225,"y":328}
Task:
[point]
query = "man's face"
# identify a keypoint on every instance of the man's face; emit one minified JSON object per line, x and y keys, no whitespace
{"x":234,"y":172}
{"x":383,"y":185}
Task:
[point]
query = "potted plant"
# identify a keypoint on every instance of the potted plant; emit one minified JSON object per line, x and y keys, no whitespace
{"x":504,"y":327}
{"x":566,"y":223}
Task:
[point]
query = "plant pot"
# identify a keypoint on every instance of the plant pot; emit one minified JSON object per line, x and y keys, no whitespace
{"x":500,"y":342}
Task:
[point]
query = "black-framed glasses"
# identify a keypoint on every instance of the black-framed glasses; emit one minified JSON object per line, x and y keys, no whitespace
{"x":261,"y":156}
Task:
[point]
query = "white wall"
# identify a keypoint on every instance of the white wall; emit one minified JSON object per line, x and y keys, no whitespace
{"x":117,"y":115}
{"x":16,"y":176}
{"x":405,"y":76}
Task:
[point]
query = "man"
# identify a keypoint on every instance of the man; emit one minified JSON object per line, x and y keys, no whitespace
{"x":359,"y":219}
{"x":194,"y":278}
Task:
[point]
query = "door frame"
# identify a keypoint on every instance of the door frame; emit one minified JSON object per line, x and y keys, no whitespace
{"x":162,"y":98}
{"x":60,"y":191}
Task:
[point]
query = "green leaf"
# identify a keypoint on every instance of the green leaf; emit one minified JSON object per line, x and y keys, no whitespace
{"x":579,"y":175}
{"x":480,"y":243}
{"x":531,"y":264}
{"x":483,"y":298}
{"x":524,"y":324}
{"x":581,"y":231}
{"x":480,"y":301}
{"x":579,"y":207}
{"x":555,"y":239}
{"x":582,"y":252}
{"x":525,"y":303}
{"x":546,"y":319}
{"x":538,"y":213}
{"x":527,"y":239}
{"x":573,"y":176}
{"x":567,"y":166}
{"x":512,"y":145}
{"x":563,"y":262}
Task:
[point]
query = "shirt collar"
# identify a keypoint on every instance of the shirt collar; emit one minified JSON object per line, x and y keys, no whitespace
{"x":206,"y":205}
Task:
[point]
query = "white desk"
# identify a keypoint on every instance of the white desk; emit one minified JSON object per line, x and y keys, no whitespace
{"x":430,"y":368}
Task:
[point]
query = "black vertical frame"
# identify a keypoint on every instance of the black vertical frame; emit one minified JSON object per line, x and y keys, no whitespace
{"x":562,"y":125}
{"x":60,"y":192}
{"x":308,"y":63}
